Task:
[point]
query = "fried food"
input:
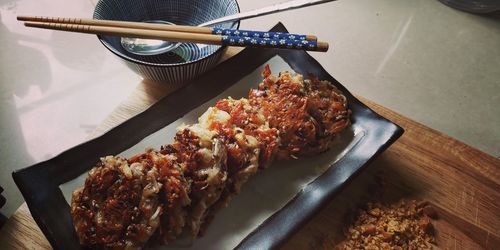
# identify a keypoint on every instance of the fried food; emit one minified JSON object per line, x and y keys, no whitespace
{"x":118,"y":207}
{"x":250,"y":120}
{"x":206,"y":154}
{"x":402,"y":225}
{"x":174,"y":194}
{"x":161,"y":194}
{"x":307,"y":113}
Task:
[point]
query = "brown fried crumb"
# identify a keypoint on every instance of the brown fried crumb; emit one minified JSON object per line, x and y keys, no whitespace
{"x":402,"y":225}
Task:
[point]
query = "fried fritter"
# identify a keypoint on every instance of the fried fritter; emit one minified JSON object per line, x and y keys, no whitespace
{"x":308,"y":114}
{"x":119,"y":206}
{"x":184,"y":184}
{"x":204,"y":158}
{"x":174,"y":194}
{"x":251,"y":120}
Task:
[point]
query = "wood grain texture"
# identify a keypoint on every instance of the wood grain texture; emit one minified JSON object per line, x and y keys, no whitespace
{"x":460,"y":181}
{"x":113,"y":23}
{"x":21,"y":232}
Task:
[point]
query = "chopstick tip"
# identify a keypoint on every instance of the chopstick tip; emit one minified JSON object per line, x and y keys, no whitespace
{"x":32,"y":24}
{"x":322,"y":46}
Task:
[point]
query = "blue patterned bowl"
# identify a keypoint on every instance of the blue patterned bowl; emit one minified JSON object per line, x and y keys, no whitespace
{"x":183,"y":63}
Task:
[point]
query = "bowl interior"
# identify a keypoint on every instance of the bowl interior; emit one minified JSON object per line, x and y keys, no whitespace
{"x":181,"y":12}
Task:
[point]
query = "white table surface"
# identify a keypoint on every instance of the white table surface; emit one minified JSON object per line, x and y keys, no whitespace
{"x":434,"y":64}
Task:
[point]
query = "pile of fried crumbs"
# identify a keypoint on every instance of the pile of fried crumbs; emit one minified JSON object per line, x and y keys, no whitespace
{"x":402,"y":225}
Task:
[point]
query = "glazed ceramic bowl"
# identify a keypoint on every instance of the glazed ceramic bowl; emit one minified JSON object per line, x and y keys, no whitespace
{"x":186,"y":61}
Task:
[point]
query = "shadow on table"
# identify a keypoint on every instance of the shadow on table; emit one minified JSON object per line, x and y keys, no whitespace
{"x":17,"y":75}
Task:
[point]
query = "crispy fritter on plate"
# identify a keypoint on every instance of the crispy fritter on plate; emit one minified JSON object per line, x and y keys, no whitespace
{"x":174,"y":194}
{"x":251,"y":120}
{"x":205,"y":159}
{"x":162,"y":194}
{"x":308,"y":114}
{"x":119,"y":206}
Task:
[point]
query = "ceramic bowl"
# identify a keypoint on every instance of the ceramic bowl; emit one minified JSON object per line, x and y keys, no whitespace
{"x":186,"y":61}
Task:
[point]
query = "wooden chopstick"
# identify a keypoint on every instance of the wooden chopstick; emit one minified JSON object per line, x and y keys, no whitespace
{"x":129,"y":32}
{"x":186,"y":37}
{"x":165,"y":27}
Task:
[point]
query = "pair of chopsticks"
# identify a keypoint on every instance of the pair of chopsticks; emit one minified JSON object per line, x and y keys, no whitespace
{"x":179,"y":33}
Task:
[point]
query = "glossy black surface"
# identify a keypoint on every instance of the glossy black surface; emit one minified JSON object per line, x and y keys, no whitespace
{"x":39,"y":183}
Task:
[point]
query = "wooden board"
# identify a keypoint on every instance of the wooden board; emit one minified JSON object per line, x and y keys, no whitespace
{"x":460,"y":181}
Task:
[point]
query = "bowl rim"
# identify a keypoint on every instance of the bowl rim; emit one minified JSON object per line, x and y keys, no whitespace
{"x":130,"y":59}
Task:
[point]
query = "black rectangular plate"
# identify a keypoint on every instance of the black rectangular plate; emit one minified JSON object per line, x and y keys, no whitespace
{"x":40,"y":183}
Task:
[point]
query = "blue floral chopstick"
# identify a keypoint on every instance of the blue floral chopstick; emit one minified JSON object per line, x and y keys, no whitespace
{"x":262,"y":34}
{"x":274,"y":43}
